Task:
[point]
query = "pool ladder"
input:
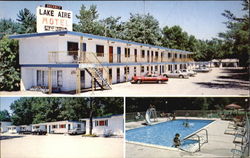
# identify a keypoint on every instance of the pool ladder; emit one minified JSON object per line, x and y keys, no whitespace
{"x":199,"y":139}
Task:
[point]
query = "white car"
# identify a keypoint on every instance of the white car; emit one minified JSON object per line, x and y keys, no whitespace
{"x":76,"y":131}
{"x":189,"y":72}
{"x":176,"y":74}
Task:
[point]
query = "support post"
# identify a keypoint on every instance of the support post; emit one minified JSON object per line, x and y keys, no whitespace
{"x":50,"y":80}
{"x":78,"y":81}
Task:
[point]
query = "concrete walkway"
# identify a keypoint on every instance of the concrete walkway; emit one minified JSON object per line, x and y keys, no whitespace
{"x":219,"y":144}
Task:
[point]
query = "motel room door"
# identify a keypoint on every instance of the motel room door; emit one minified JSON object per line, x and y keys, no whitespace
{"x":135,"y":55}
{"x":111,"y":54}
{"x":118,"y":75}
{"x":82,"y":77}
{"x":110,"y":76}
{"x":118,"y":54}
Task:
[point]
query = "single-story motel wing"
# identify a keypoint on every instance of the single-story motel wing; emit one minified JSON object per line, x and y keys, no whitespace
{"x":72,"y":61}
{"x":113,"y":124}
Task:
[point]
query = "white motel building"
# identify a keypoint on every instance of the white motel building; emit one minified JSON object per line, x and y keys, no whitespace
{"x":72,"y":61}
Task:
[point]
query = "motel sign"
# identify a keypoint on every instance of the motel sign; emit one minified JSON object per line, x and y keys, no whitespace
{"x":49,"y":20}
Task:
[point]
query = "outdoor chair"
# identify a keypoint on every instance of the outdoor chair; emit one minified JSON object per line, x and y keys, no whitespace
{"x":234,"y":131}
{"x":240,"y":137}
{"x":240,"y":150}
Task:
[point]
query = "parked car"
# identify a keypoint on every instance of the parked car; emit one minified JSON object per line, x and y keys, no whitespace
{"x":202,"y":69}
{"x":39,"y":132}
{"x":189,"y":72}
{"x":75,"y":131}
{"x":149,"y":78}
{"x":176,"y":74}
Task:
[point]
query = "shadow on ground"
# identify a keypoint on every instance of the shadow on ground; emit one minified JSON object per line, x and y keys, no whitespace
{"x":233,"y":79}
{"x":237,"y":74}
{"x":9,"y":137}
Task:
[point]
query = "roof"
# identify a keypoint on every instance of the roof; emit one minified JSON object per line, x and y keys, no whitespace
{"x":20,"y":36}
{"x":103,"y":117}
{"x":45,"y":123}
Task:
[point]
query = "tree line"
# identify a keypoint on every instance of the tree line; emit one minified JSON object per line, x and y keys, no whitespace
{"x":32,"y":110}
{"x":143,"y":28}
{"x":170,"y":104}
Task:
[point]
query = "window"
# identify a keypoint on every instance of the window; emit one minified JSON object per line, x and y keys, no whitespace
{"x":101,"y":123}
{"x":142,"y":68}
{"x":127,"y":52}
{"x":156,"y":68}
{"x":175,"y":55}
{"x":78,"y":125}
{"x":72,"y":48}
{"x":126,"y":69}
{"x":147,"y":68}
{"x":62,"y":126}
{"x":100,"y":50}
{"x":169,"y":55}
{"x":180,"y":56}
{"x":156,"y":54}
{"x":143,"y":53}
{"x":54,"y":126}
{"x":40,"y":76}
{"x":84,"y":47}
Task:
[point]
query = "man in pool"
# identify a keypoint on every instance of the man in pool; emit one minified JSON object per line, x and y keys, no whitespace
{"x":177,"y":141}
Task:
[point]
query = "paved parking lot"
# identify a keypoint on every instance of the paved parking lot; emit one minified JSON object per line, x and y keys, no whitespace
{"x":217,"y":82}
{"x":60,"y":146}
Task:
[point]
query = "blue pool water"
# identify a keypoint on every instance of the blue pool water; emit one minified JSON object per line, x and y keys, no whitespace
{"x":163,"y":133}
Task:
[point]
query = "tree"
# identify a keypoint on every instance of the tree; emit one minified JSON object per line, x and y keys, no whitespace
{"x":143,"y":29}
{"x":237,"y":36}
{"x":4,"y":115}
{"x":88,"y":21}
{"x":175,"y":38}
{"x":9,"y":65}
{"x":8,"y":26}
{"x":112,"y":27}
{"x":27,"y":21}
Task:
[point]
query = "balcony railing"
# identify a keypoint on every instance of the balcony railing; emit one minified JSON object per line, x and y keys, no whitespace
{"x":90,"y":57}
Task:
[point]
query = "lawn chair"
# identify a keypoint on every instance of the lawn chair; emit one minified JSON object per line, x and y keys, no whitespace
{"x":240,"y":137}
{"x":240,"y":150}
{"x":234,"y":131}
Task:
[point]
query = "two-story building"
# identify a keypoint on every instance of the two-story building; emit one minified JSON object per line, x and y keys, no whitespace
{"x":72,"y":61}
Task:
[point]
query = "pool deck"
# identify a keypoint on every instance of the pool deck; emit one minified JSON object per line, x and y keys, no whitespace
{"x":219,"y":144}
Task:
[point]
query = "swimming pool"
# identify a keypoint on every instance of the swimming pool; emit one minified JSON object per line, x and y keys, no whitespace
{"x":163,"y":133}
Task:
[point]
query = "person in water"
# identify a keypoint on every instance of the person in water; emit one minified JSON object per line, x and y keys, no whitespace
{"x":177,"y":141}
{"x":185,"y":124}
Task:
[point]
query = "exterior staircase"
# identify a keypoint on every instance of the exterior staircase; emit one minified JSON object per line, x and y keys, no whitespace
{"x":98,"y":78}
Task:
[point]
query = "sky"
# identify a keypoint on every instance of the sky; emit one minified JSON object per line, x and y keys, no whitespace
{"x":202,"y":19}
{"x":5,"y":103}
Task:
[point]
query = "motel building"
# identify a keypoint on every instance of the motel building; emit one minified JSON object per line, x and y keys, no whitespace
{"x":113,"y":124}
{"x":58,"y":127}
{"x":66,"y":61}
{"x":4,"y":126}
{"x":56,"y":59}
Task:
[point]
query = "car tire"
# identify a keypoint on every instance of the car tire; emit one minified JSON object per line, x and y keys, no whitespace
{"x":139,"y":81}
{"x":159,"y":81}
{"x":181,"y":76}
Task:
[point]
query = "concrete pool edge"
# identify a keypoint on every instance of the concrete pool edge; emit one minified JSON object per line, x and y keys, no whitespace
{"x":153,"y":146}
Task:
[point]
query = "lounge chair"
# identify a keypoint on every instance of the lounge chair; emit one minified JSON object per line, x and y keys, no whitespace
{"x":240,"y":150}
{"x":240,"y":137}
{"x":234,"y":131}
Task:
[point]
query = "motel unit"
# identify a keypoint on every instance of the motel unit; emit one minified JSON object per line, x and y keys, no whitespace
{"x":13,"y":129}
{"x":58,"y":127}
{"x":113,"y":124}
{"x":4,"y":126}
{"x":72,"y":61}
{"x":25,"y":128}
